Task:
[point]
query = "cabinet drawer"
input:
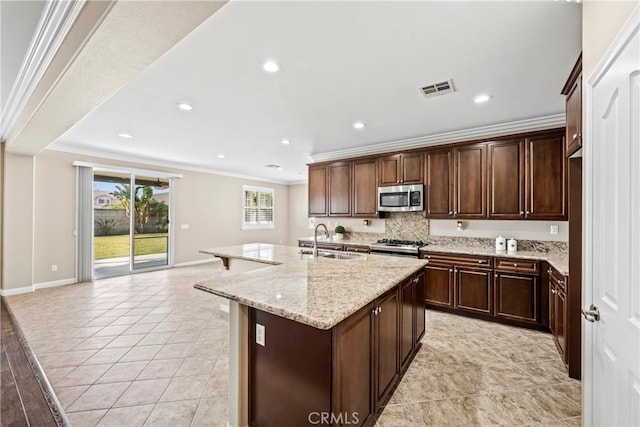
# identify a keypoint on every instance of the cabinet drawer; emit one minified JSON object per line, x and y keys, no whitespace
{"x":458,"y":260}
{"x":355,"y":248}
{"x":526,"y":266}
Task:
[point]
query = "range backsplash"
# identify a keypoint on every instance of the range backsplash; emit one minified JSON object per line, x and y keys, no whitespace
{"x":413,"y":226}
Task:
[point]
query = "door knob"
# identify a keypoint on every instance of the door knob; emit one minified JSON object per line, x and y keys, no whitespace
{"x":592,"y":315}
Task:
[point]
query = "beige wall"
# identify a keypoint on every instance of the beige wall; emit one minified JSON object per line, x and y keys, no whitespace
{"x":601,"y":22}
{"x":44,"y":230}
{"x":298,"y":211}
{"x":2,"y":146}
{"x":17,"y":239}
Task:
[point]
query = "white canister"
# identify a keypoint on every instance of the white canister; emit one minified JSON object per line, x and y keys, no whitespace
{"x":512,"y":245}
{"x":501,"y":243}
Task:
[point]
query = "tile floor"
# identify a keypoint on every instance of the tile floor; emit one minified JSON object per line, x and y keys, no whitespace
{"x":149,"y":349}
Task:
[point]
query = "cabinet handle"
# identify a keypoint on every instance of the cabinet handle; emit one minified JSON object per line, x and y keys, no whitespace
{"x":480,"y":261}
{"x":554,"y":291}
{"x":416,"y":280}
{"x":561,"y":282}
{"x":495,"y":275}
{"x":455,"y":212}
{"x":575,"y":135}
{"x":515,"y":265}
{"x":402,"y":180}
{"x":379,"y":310}
{"x":527,"y":213}
{"x":451,"y":270}
{"x":429,"y":256}
{"x":450,"y":212}
{"x":521,"y":212}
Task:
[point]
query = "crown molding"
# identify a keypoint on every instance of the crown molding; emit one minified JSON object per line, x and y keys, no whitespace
{"x":146,"y":160}
{"x":490,"y":131}
{"x":54,"y":25}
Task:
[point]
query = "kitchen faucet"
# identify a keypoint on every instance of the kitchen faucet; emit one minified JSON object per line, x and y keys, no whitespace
{"x":315,"y":238}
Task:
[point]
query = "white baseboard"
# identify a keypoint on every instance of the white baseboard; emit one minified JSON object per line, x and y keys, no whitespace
{"x":54,"y":283}
{"x":200,"y":261}
{"x":16,"y":291}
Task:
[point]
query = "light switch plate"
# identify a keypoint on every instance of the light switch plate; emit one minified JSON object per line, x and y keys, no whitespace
{"x":260,"y":334}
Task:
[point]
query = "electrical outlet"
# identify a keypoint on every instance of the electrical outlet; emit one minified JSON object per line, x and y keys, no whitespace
{"x":54,"y":267}
{"x":184,"y":226}
{"x":553,"y":229}
{"x":260,"y":334}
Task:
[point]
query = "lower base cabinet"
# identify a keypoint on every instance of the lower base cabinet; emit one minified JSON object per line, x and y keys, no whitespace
{"x":558,"y":310}
{"x":517,"y":297}
{"x":345,"y":375}
{"x":474,"y":290}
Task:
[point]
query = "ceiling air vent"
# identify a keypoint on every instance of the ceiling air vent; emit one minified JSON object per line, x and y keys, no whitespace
{"x":272,"y":166}
{"x":438,"y":88}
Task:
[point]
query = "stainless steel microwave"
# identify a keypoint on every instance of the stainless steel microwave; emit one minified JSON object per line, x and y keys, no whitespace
{"x":401,"y":198}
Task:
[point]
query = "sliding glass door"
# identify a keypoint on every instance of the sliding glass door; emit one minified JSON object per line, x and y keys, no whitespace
{"x":151,"y":222}
{"x":131,"y":222}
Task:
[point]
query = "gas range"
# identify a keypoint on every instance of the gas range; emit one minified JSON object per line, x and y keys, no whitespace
{"x":407,"y":248}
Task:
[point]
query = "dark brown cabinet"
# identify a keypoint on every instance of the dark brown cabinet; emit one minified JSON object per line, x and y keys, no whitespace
{"x":558,"y":310}
{"x":365,"y":190}
{"x":412,"y":318}
{"x":470,"y":182}
{"x":339,"y":189}
{"x":459,"y":282}
{"x":385,"y":345}
{"x":546,"y":186}
{"x":403,"y":168}
{"x":438,"y":184}
{"x":352,"y":366}
{"x":517,"y":290}
{"x":573,"y":90}
{"x":318,"y":190}
{"x":527,"y":178}
{"x":506,"y":179}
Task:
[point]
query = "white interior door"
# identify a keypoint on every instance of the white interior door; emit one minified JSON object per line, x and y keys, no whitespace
{"x":612,"y":236}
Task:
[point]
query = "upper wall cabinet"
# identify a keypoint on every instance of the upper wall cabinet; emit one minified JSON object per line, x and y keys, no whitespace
{"x":318,"y":190}
{"x":573,"y":90}
{"x":455,"y":180}
{"x":527,"y":178}
{"x":405,"y":168}
{"x":546,"y":177}
{"x":365,"y":189}
{"x":339,"y":189}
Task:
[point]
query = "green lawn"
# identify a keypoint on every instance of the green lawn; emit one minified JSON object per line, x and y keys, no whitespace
{"x":118,"y":246}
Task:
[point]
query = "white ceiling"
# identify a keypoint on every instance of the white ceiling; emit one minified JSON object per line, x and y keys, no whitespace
{"x":341,"y":62}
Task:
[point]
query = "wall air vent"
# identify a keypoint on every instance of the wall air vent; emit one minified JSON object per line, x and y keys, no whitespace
{"x":438,"y":88}
{"x":272,"y":166}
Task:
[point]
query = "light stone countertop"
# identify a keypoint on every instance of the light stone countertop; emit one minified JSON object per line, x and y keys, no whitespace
{"x":559,"y":260}
{"x":319,"y":292}
{"x":345,"y":241}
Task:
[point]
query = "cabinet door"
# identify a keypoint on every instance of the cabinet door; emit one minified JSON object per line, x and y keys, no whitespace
{"x":389,"y":170}
{"x":574,"y":117}
{"x":552,"y":310}
{"x":340,"y":189}
{"x":420,"y":311}
{"x":561,"y":322}
{"x":517,"y":297}
{"x":386,"y":345}
{"x":407,"y":303}
{"x":352,"y":366}
{"x":474,"y":290}
{"x":438,"y":184}
{"x":470,"y":194}
{"x":365,"y":189}
{"x":546,"y":178}
{"x":317,"y":191}
{"x":411,"y":172}
{"x":506,"y":179}
{"x":438,"y":285}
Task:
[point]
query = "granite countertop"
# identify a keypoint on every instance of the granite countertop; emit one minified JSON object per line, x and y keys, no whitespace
{"x":319,"y":292}
{"x":559,"y":260}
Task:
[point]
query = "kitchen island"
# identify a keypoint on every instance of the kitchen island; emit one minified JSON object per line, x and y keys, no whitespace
{"x":317,"y":340}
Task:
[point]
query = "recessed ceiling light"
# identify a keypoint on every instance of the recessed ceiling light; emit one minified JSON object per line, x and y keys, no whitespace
{"x":285,"y":142}
{"x":185,"y":107}
{"x":359,"y":125}
{"x":480,"y":99}
{"x":270,"y":66}
{"x":280,"y":169}
{"x":125,"y":135}
{"x":221,"y":156}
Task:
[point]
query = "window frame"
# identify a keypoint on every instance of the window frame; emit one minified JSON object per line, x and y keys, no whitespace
{"x":258,"y":226}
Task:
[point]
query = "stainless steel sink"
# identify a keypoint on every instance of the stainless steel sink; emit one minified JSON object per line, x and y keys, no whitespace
{"x":332,"y":255}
